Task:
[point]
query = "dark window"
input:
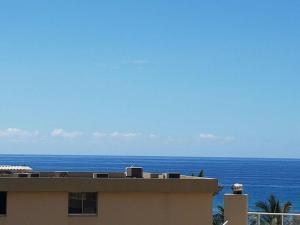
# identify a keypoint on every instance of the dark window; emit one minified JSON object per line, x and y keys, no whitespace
{"x":3,"y":196}
{"x":83,"y":203}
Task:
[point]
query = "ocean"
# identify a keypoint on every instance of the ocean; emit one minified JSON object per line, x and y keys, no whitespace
{"x":260,"y":176}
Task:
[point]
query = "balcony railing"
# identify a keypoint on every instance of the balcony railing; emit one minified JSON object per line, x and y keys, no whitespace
{"x":264,"y":218}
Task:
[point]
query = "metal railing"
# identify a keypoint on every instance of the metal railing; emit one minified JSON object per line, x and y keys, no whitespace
{"x":264,"y":218}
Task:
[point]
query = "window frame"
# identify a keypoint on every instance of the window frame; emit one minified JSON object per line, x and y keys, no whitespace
{"x":82,"y":205}
{"x":5,"y":203}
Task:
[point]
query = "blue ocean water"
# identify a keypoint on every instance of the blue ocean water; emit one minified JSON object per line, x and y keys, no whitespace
{"x":260,"y":177}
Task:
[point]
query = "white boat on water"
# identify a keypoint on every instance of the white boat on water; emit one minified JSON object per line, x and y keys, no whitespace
{"x":15,"y":169}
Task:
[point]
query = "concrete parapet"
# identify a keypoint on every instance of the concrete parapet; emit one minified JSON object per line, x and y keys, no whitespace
{"x":236,"y":209}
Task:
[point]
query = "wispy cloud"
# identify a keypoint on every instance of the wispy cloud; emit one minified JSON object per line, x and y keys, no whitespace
{"x":116,"y":134}
{"x":99,"y":135}
{"x":59,"y":132}
{"x":120,"y":134}
{"x":153,"y":136}
{"x":124,"y":135}
{"x":16,"y":134}
{"x":208,"y":137}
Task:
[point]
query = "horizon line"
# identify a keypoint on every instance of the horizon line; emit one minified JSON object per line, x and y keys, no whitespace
{"x":166,"y":156}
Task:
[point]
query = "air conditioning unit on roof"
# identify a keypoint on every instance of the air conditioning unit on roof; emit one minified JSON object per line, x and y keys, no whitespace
{"x":154,"y":175}
{"x":171,"y":175}
{"x":100,"y":175}
{"x":135,"y":172}
{"x":34,"y":174}
{"x":23,"y":174}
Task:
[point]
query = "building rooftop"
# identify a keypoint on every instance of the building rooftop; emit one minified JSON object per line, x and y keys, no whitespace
{"x":134,"y":179}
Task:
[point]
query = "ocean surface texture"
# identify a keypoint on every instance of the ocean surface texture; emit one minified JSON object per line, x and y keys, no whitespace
{"x":260,"y":177}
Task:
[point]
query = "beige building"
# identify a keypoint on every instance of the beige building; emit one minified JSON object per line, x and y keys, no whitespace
{"x":62,"y":198}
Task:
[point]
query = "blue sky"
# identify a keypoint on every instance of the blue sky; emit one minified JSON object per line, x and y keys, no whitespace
{"x":214,"y":78}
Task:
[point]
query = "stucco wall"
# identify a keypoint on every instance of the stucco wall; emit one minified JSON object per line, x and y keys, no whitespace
{"x":236,"y":209}
{"x":50,"y":208}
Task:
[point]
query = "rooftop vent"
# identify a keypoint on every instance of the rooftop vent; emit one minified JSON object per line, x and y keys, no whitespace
{"x":34,"y":175}
{"x":171,"y":175}
{"x":27,"y":174}
{"x":23,"y":174}
{"x":61,"y":174}
{"x":100,"y":175}
{"x":136,"y":172}
{"x":154,"y":175}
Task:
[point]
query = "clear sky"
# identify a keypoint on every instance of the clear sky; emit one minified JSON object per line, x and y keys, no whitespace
{"x":192,"y":78}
